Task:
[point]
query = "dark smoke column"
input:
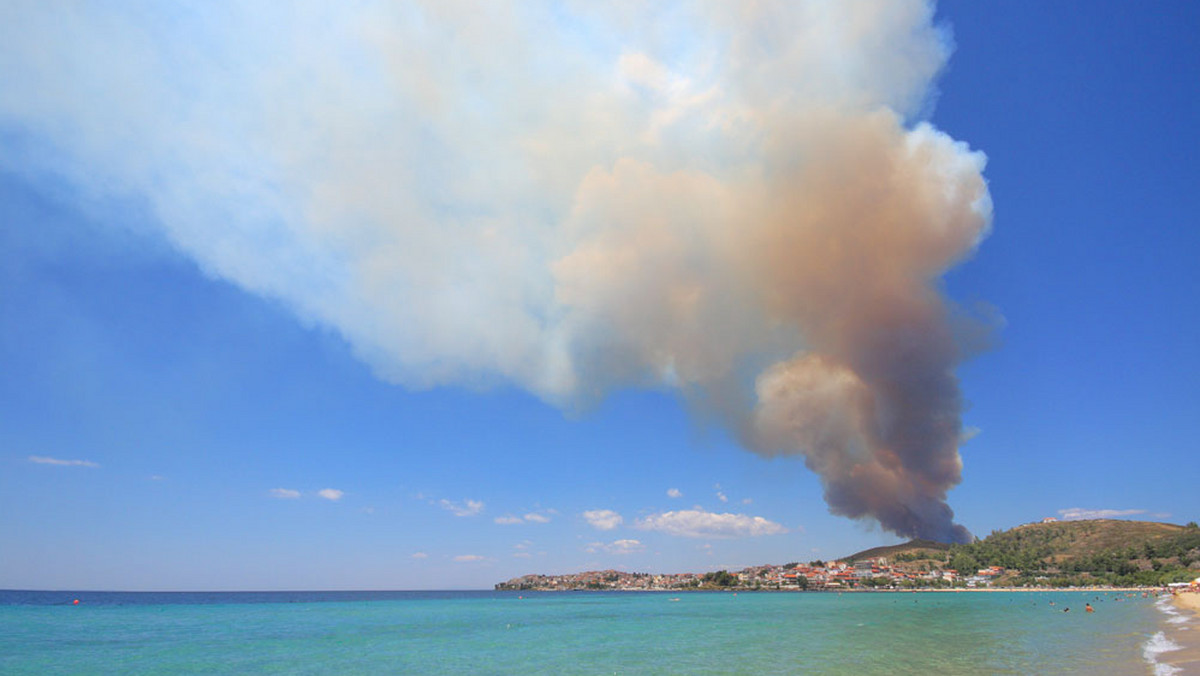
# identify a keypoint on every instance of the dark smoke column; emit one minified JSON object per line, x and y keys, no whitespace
{"x":871,"y":401}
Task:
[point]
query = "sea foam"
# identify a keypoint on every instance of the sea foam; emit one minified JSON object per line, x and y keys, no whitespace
{"x":1167,"y":606}
{"x":1155,"y":646}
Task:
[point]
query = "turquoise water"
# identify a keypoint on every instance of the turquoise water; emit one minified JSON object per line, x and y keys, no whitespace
{"x":573,"y":633}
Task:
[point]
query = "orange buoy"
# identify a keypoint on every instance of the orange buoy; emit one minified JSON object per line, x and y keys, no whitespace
{"x":76,"y":602}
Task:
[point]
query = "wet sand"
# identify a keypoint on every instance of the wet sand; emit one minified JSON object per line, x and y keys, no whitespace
{"x":1186,"y":635}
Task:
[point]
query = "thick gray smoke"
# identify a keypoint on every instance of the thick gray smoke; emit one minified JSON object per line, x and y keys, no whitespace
{"x":741,"y":202}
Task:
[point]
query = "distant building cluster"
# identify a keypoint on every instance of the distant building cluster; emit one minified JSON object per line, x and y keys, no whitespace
{"x":876,"y":572}
{"x":603,"y":579}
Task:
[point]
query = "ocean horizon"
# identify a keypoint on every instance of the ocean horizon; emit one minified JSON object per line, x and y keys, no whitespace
{"x":491,"y":632}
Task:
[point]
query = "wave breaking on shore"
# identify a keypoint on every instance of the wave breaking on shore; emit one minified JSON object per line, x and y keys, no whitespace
{"x":1168,"y":649}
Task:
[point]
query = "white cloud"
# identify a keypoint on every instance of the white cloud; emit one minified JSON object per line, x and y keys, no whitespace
{"x":674,"y":493}
{"x":532,"y":517}
{"x":747,"y":501}
{"x":284,"y":493}
{"x":1079,"y":513}
{"x":330,"y":494}
{"x":700,"y":524}
{"x":157,"y":477}
{"x":603,"y":519}
{"x":420,"y":555}
{"x":466,"y":508}
{"x":43,"y":460}
{"x":722,"y":497}
{"x":618,"y":547}
{"x":468,"y":558}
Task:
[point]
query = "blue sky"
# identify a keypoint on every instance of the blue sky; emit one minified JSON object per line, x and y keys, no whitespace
{"x":211,"y":381}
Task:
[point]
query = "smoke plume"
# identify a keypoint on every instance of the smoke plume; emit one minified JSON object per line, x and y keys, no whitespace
{"x":741,"y":202}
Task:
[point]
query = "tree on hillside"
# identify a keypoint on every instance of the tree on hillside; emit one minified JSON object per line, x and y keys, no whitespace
{"x":721,"y":578}
{"x":964,"y":563}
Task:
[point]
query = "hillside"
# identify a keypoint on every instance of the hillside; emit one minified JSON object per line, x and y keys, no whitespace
{"x":911,"y":549}
{"x":1100,"y":551}
{"x":1066,"y":540}
{"x":1082,"y":552}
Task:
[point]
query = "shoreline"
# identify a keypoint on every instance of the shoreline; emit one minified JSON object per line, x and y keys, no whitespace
{"x":1181,"y":627}
{"x":1149,"y":591}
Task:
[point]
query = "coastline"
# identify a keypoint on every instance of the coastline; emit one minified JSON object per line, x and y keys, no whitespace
{"x":1181,"y":627}
{"x":792,"y":590}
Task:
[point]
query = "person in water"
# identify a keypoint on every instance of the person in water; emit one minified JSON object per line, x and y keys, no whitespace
{"x":1088,"y":607}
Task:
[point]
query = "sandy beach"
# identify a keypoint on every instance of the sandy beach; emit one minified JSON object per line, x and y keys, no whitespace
{"x":1187,"y":635}
{"x":1189,"y":601}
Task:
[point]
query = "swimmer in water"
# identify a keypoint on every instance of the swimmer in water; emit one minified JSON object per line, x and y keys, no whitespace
{"x":1088,"y":607}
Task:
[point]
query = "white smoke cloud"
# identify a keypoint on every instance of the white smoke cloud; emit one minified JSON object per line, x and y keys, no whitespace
{"x":737,"y":200}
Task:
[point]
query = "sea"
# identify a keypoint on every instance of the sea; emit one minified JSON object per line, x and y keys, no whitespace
{"x":486,"y":632}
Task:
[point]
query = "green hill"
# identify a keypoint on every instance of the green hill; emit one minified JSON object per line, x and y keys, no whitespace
{"x":1103,"y":551}
{"x":1066,"y":540}
{"x":1099,"y":551}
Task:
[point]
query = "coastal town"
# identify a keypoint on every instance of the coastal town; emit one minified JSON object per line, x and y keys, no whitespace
{"x":816,"y":575}
{"x":1047,"y":553}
